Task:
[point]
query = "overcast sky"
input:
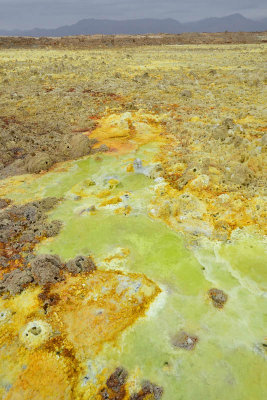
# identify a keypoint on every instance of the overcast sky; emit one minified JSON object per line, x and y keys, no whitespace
{"x":24,"y":14}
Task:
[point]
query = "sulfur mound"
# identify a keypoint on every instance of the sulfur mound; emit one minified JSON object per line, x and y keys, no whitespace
{"x":242,"y":175}
{"x":39,"y":162}
{"x":80,"y":264}
{"x":75,"y":146}
{"x":35,"y":333}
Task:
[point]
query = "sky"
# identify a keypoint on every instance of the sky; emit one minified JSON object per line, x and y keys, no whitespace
{"x":27,"y":14}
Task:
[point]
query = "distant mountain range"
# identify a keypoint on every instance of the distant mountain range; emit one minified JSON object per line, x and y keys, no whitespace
{"x":231,"y":23}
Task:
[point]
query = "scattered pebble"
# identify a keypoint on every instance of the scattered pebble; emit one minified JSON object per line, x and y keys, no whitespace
{"x":218,"y":297}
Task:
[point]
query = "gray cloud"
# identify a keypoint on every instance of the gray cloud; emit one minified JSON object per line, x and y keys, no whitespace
{"x":28,"y":14}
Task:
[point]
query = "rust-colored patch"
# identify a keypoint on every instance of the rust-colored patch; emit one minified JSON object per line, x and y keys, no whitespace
{"x":120,"y":132}
{"x":83,"y":312}
{"x":115,"y":385}
{"x":48,"y":299}
{"x":46,"y":377}
{"x":9,"y":120}
{"x":95,"y":93}
{"x":95,"y":309}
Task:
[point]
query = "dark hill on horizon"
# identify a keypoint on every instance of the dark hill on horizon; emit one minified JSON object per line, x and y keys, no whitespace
{"x":231,"y":23}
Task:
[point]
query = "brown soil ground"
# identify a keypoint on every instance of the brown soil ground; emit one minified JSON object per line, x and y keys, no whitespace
{"x":100,"y":41}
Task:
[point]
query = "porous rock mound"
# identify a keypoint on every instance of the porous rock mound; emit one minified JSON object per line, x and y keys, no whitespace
{"x":46,"y":269}
{"x":25,"y":152}
{"x":15,"y":281}
{"x":39,"y":162}
{"x":75,"y":146}
{"x":80,"y":264}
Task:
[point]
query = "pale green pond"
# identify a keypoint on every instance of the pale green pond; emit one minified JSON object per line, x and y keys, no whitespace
{"x":229,"y":361}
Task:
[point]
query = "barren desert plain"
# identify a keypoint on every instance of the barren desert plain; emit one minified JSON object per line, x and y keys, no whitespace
{"x":132,"y":222}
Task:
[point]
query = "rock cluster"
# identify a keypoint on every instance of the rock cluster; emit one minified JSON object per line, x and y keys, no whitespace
{"x":44,"y":270}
